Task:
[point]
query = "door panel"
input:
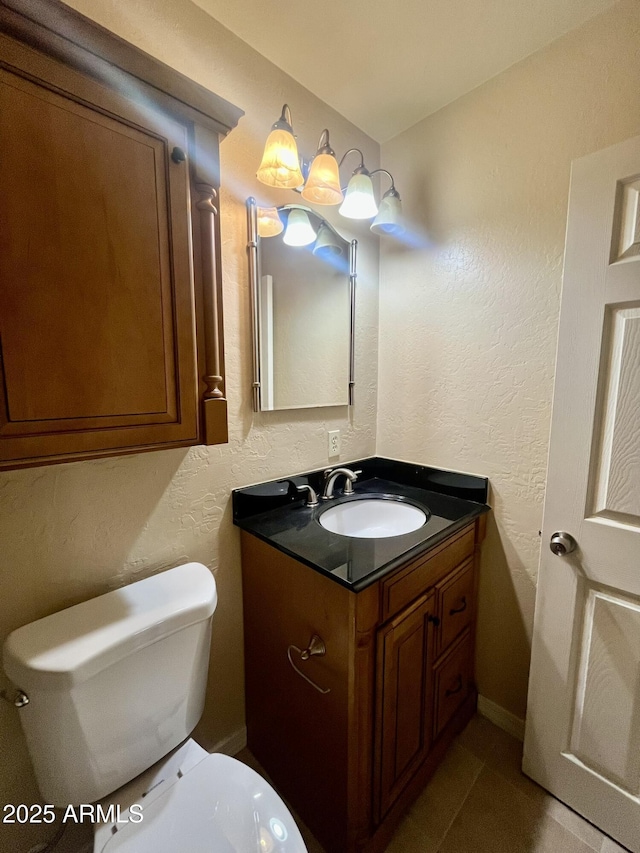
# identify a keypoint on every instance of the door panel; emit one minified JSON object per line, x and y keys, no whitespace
{"x":605,"y":732}
{"x":617,"y":462}
{"x":583,"y":720}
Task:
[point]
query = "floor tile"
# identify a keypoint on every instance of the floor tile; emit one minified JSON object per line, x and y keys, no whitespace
{"x":479,"y":737}
{"x":611,"y":846}
{"x":479,"y":801}
{"x":498,"y":817}
{"x":506,"y":759}
{"x":587,"y":832}
{"x":426,"y":824}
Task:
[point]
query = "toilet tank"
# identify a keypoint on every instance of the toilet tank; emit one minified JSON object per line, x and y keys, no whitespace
{"x":113,"y":683}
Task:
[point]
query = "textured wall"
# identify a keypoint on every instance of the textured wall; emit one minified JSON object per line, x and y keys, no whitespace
{"x":469,"y":320}
{"x":72,"y":531}
{"x":467,"y":342}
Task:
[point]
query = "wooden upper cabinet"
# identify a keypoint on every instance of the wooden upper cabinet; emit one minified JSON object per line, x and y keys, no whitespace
{"x":96,"y":308}
{"x":110,"y":295}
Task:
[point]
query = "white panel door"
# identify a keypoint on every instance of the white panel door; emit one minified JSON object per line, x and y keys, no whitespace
{"x":583,"y":719}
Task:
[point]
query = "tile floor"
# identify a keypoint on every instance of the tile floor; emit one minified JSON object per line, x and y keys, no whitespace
{"x":479,"y":801}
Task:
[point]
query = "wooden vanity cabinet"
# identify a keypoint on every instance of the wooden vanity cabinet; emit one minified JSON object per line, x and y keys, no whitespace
{"x":110,"y":303}
{"x":392,"y":690}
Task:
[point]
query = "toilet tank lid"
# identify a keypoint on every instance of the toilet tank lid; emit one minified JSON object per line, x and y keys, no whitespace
{"x":70,"y":646}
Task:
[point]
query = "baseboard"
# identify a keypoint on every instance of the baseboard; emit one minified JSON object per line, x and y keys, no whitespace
{"x":501,"y":717}
{"x":232,"y":744}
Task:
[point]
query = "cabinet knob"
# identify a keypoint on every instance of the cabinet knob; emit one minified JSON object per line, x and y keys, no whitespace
{"x":178,"y":155}
{"x":434,"y":620}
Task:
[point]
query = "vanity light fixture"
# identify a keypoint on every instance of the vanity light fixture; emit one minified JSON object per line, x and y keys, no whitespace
{"x":323,"y":181}
{"x":280,"y":166}
{"x":269,"y":222}
{"x":359,"y":202}
{"x":322,"y":185}
{"x":389,"y":220}
{"x":327,"y":244}
{"x":299,"y":231}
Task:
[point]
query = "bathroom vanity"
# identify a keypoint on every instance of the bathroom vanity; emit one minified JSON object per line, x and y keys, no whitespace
{"x":359,"y":652}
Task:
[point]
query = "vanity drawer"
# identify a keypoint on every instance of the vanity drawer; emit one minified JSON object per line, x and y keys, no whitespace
{"x":453,"y":682}
{"x":405,"y":586}
{"x":455,"y":605}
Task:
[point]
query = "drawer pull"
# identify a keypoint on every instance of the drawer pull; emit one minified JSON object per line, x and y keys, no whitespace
{"x":456,"y":689}
{"x":461,"y":609}
{"x":316,"y":647}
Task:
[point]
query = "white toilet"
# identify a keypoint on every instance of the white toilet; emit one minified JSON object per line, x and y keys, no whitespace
{"x":113,"y":688}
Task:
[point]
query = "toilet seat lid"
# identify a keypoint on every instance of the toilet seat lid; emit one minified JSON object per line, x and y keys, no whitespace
{"x":220,"y":806}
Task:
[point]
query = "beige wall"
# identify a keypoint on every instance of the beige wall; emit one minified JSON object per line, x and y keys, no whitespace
{"x":69,"y":532}
{"x":469,"y":321}
{"x":467,"y":346}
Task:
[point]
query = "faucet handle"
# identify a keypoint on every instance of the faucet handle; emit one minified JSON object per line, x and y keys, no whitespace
{"x":348,"y":486}
{"x":312,"y":497}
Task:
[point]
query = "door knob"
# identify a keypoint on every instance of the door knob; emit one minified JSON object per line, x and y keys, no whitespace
{"x":562,"y":543}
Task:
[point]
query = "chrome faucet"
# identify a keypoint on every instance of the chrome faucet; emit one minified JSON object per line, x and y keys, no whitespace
{"x":331,"y":475}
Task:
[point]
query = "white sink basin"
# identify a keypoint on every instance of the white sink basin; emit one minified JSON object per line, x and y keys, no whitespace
{"x":372,"y":518}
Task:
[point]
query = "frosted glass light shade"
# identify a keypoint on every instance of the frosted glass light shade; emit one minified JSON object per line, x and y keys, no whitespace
{"x":359,"y":202}
{"x":389,"y":218}
{"x":299,"y":231}
{"x":280,"y":166}
{"x":327,"y":243}
{"x":323,"y":183}
{"x":269,"y":223}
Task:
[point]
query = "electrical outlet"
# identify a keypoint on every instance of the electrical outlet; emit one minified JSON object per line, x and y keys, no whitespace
{"x":333,"y":437}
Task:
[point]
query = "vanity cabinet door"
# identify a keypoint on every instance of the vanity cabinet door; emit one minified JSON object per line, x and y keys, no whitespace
{"x":453,"y":681}
{"x":456,"y":604}
{"x":404,"y":702}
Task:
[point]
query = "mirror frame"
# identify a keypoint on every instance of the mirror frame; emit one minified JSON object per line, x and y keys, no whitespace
{"x":252,"y":251}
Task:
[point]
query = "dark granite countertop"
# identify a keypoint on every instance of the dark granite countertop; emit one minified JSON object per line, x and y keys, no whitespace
{"x":276,"y":513}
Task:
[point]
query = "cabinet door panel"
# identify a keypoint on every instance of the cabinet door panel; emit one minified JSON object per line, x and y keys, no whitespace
{"x":404,"y":701}
{"x":455,"y":605}
{"x":453,"y":681}
{"x":96,"y":314}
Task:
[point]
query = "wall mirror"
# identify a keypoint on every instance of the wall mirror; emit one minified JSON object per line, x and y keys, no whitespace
{"x":303,"y":280}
